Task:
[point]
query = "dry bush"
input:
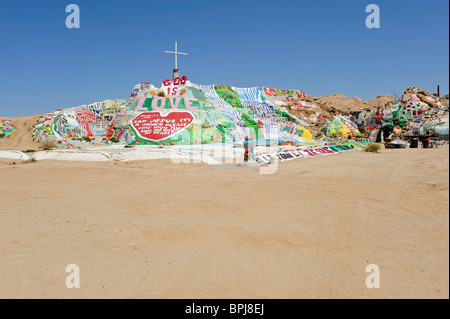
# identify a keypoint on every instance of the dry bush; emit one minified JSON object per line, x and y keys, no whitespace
{"x":374,"y":148}
{"x":48,"y":145}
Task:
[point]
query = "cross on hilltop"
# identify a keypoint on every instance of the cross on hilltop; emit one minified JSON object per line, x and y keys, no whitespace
{"x":176,"y":71}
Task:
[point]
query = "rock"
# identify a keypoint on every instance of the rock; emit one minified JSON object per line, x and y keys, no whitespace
{"x":425,"y":100}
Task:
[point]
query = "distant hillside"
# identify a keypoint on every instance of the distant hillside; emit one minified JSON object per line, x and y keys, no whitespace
{"x":341,"y":103}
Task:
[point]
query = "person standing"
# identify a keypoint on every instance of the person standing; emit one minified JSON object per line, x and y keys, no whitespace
{"x":246,"y":150}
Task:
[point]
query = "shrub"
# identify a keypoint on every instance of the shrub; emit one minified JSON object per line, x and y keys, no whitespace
{"x":48,"y":145}
{"x":374,"y":148}
{"x":31,"y":160}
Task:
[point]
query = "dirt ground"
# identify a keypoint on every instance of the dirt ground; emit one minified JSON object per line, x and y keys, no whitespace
{"x":155,"y":229}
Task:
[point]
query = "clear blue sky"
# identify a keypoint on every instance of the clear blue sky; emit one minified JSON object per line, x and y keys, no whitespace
{"x":321,"y":47}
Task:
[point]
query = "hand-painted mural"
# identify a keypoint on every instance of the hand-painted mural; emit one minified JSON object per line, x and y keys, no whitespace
{"x":7,"y":129}
{"x":179,"y":112}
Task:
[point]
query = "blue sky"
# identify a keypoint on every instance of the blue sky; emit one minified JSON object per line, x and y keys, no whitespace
{"x":321,"y":47}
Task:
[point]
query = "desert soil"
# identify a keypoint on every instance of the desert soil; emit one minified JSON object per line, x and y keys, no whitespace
{"x":155,"y":229}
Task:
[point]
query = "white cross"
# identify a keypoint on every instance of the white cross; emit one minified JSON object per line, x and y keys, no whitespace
{"x":176,"y":53}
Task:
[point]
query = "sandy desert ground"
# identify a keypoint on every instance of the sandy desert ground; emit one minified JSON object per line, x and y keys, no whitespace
{"x":154,"y":229}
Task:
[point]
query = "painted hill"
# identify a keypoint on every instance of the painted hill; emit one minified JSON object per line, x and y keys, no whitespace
{"x":178,"y":113}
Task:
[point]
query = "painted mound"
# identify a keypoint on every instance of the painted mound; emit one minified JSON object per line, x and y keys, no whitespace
{"x":7,"y":129}
{"x":179,"y":113}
